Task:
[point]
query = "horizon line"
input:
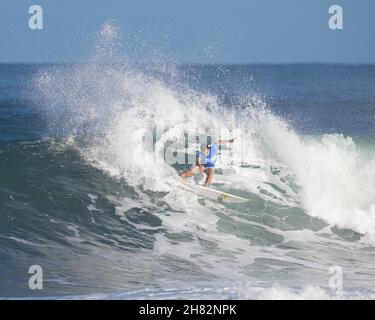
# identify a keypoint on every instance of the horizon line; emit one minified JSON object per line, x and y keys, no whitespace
{"x":198,"y":63}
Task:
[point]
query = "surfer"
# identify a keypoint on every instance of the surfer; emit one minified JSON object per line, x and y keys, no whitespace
{"x":205,"y":161}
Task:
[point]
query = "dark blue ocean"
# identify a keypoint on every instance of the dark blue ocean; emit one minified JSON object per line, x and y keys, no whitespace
{"x":77,"y":201}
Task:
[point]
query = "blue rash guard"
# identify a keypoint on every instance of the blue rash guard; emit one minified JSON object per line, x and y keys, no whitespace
{"x":208,"y":161}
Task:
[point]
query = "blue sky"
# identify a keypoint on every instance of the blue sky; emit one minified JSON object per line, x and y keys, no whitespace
{"x":199,"y":31}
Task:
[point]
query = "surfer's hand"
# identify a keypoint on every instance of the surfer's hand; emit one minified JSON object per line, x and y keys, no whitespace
{"x":222,"y":141}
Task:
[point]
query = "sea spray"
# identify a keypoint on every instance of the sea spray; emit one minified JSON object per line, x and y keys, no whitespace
{"x":108,"y":101}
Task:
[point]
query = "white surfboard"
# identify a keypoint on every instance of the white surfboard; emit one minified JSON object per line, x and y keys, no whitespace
{"x":214,"y":194}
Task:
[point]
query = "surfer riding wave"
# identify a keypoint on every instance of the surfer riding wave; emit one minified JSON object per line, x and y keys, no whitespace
{"x":205,"y":160}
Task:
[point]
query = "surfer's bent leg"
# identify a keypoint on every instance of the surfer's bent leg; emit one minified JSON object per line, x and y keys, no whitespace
{"x":210,"y":174}
{"x":190,"y":172}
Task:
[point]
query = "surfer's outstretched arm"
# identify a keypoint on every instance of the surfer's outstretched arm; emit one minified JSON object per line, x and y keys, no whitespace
{"x":223,"y":141}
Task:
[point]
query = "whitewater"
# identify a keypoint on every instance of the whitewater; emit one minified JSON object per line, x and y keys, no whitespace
{"x":95,"y":199}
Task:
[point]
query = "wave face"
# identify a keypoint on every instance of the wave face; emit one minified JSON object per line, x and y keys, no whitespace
{"x":89,"y":192}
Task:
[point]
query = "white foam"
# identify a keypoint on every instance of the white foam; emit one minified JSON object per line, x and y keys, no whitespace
{"x":115,"y":104}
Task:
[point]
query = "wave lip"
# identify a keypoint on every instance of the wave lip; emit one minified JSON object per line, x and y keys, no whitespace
{"x":94,"y":194}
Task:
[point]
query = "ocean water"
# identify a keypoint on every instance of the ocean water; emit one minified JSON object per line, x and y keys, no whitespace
{"x":77,"y":199}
